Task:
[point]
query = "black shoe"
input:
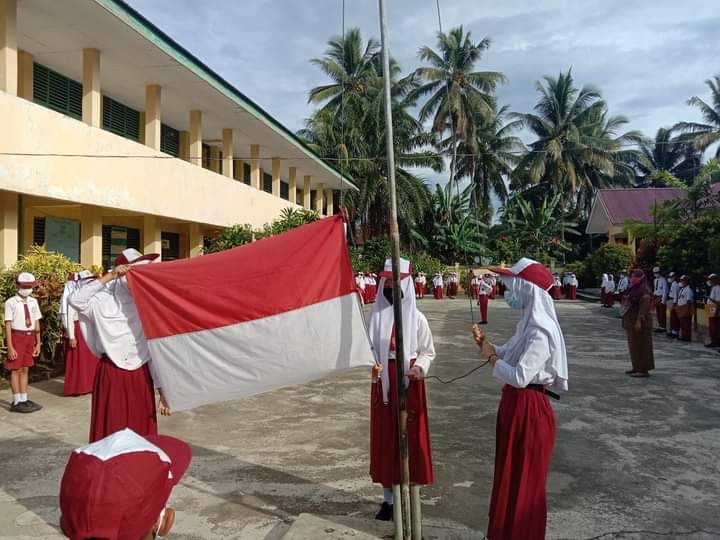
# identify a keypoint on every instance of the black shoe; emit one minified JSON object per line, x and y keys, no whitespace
{"x":630,"y":372}
{"x":385,"y":513}
{"x":33,"y":406}
{"x":21,"y":407}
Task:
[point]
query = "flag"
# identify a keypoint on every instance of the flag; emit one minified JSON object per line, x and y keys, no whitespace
{"x":277,"y":312}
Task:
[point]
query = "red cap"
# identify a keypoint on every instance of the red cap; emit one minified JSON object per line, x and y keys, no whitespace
{"x":117,"y":487}
{"x":132,"y":256}
{"x":529,"y":270}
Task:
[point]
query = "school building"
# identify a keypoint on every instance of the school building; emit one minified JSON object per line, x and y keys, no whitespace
{"x":112,"y":135}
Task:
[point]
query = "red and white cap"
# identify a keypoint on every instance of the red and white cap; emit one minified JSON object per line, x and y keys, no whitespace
{"x":85,"y":274}
{"x":26,"y":280}
{"x":529,"y":270}
{"x":117,"y":487}
{"x":405,"y":269}
{"x":132,"y":256}
{"x":713,"y":276}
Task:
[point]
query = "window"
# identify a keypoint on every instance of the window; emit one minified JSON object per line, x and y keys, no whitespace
{"x":284,"y":190}
{"x":56,"y":91}
{"x":170,"y":140}
{"x":58,"y":235}
{"x":170,"y":246}
{"x":120,"y":119}
{"x":115,"y":240}
{"x":206,"y":156}
{"x":246,"y":173}
{"x":267,"y":183}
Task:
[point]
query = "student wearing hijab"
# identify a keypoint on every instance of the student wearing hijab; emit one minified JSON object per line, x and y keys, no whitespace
{"x":532,"y":363}
{"x":636,"y":311}
{"x":419,"y":354}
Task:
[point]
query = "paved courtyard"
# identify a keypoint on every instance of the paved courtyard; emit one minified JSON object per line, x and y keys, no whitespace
{"x":634,"y":459}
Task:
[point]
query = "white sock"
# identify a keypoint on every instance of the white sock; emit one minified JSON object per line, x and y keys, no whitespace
{"x":23,"y":397}
{"x":388,"y":495}
{"x":16,"y":399}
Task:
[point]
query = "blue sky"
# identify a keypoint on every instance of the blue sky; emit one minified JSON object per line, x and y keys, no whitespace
{"x":647,"y":58}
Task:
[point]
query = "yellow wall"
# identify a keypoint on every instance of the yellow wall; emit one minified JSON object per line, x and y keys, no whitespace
{"x":163,"y":187}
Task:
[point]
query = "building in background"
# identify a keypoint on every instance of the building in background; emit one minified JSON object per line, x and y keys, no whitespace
{"x":115,"y":136}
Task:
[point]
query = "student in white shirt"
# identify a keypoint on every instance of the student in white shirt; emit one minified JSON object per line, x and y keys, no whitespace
{"x":685,"y":308}
{"x":22,"y":336}
{"x":713,"y":302}
{"x":530,"y":364}
{"x":671,"y":305}
{"x":484,"y":292}
{"x":660,"y":294}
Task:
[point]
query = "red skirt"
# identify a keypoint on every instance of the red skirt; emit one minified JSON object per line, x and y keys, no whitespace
{"x":24,"y":345}
{"x":493,"y":292}
{"x":525,"y":435}
{"x":474,"y":291}
{"x":556,"y":292}
{"x":80,"y":366}
{"x":384,"y":445}
{"x":122,"y":399}
{"x":572,"y":292}
{"x":438,"y":292}
{"x":483,"y":303}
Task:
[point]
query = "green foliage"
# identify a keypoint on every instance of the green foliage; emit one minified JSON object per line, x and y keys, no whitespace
{"x":611,"y":259}
{"x":692,"y":248}
{"x":662,"y":178}
{"x":374,"y":254}
{"x":583,"y":271}
{"x":51,"y":271}
{"x":230,"y":237}
{"x":422,"y":262}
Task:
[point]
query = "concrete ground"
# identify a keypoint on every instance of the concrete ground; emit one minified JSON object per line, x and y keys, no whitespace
{"x":634,"y":458}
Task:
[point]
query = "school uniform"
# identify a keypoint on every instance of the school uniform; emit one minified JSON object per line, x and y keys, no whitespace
{"x":452,"y":286}
{"x":419,"y":286}
{"x":474,"y":288}
{"x":610,"y":292}
{"x":484,"y":291}
{"x":686,"y":297}
{"x":438,"y":287}
{"x":80,"y":362}
{"x":671,"y":304}
{"x":572,"y":288}
{"x":660,"y":293}
{"x":622,"y":287}
{"x":713,"y":312}
{"x":557,"y":289}
{"x":23,"y":313}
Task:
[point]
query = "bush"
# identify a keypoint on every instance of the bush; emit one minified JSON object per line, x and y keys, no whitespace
{"x":693,"y":248}
{"x":611,"y":259}
{"x":51,"y":271}
{"x":231,"y":237}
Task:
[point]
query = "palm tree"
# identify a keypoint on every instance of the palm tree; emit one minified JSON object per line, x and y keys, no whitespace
{"x":577,"y":148}
{"x":707,"y":134}
{"x":675,"y":155}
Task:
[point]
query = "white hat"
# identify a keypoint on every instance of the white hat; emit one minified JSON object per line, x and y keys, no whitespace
{"x":405,"y":269}
{"x":656,"y":270}
{"x":132,"y":256}
{"x":85,"y":274}
{"x":26,"y":280}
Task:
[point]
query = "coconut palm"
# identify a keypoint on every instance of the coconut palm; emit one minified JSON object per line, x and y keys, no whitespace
{"x":675,"y":155}
{"x":705,"y":134}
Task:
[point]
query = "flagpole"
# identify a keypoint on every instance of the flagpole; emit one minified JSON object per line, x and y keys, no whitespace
{"x":397,"y":297}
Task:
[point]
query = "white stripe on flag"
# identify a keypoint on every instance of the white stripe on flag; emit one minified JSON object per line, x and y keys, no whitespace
{"x":232,"y":362}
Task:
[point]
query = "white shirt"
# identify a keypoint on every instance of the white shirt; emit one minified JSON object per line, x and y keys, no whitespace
{"x":69,"y":321}
{"x":485,"y":288}
{"x":474,"y":281}
{"x":610,"y":286}
{"x":530,"y":368}
{"x":715,"y":293}
{"x":110,"y":324}
{"x":425,"y":353}
{"x":661,"y":288}
{"x":557,"y":283}
{"x":573,"y":282}
{"x":15,"y":312}
{"x":673,"y":294}
{"x":623,"y":284}
{"x":437,"y":281}
{"x":685,"y":295}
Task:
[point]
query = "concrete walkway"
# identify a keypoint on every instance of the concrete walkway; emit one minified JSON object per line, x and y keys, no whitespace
{"x":634,"y":458}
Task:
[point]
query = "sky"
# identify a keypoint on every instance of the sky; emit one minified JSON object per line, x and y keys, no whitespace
{"x":647,"y":57}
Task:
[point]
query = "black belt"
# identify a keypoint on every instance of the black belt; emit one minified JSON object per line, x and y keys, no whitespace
{"x":543,"y":390}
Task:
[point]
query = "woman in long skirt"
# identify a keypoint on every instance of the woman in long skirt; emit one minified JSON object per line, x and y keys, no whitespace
{"x":638,"y":324}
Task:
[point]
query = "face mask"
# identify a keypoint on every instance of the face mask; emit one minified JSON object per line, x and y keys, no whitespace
{"x":513,"y":301}
{"x":24,"y":292}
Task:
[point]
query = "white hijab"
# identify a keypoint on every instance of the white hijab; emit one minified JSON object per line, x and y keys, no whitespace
{"x":380,"y":325}
{"x":537,"y":314}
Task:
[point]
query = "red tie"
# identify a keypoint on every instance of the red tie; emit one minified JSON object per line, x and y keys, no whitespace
{"x":28,"y":320}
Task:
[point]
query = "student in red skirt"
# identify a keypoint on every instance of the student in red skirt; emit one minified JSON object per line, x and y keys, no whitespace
{"x":419,"y":354}
{"x":484,"y":292}
{"x":123,"y":395}
{"x":80,"y":363}
{"x":532,"y":363}
{"x":22,"y":337}
{"x":438,"y":286}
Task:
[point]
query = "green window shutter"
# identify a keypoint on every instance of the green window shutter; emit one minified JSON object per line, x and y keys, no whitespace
{"x":39,"y":231}
{"x":246,"y":173}
{"x":170,"y":140}
{"x":56,"y":91}
{"x":121,"y":119}
{"x":284,"y":190}
{"x":267,"y":183}
{"x":133,"y":238}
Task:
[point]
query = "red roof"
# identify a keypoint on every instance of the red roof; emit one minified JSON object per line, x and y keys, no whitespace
{"x":635,"y":203}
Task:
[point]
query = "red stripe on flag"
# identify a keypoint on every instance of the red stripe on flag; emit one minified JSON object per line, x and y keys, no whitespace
{"x":295,"y":269}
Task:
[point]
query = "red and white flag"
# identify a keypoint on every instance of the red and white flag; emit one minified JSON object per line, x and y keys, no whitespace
{"x":274,"y":313}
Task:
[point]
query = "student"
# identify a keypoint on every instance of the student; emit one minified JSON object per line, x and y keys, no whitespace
{"x":572,"y":287}
{"x":118,"y":487}
{"x":419,"y":354}
{"x":452,"y":285}
{"x":622,"y":286}
{"x":123,"y":394}
{"x":484,"y":291}
{"x":671,"y":303}
{"x":438,"y":286}
{"x":22,"y":336}
{"x":685,"y":308}
{"x":474,"y":285}
{"x":557,"y":287}
{"x":610,"y":291}
{"x":713,"y":311}
{"x":531,"y":365}
{"x":660,"y":294}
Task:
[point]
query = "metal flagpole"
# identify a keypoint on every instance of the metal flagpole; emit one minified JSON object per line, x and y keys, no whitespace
{"x":397,"y":297}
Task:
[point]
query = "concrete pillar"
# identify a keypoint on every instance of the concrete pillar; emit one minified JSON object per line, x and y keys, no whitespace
{"x":227,"y":164}
{"x":152,"y":235}
{"x":25,"y":75}
{"x":153,"y":115}
{"x":9,"y":214}
{"x":292,"y":184}
{"x":196,"y":138}
{"x":306,"y":191}
{"x":276,"y":177}
{"x":92,"y":97}
{"x":8,"y":47}
{"x":185,"y":145}
{"x":319,"y":198}
{"x":329,"y":202}
{"x":215,"y":159}
{"x":255,"y":173}
{"x":195,"y":240}
{"x":90,"y":236}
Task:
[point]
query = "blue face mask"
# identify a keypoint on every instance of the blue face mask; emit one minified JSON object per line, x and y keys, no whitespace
{"x":512,"y":300}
